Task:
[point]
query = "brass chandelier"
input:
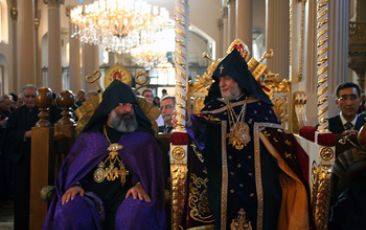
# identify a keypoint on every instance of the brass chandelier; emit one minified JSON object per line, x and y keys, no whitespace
{"x":117,"y":25}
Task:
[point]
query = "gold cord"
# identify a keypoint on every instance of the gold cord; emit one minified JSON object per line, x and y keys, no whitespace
{"x":238,"y":135}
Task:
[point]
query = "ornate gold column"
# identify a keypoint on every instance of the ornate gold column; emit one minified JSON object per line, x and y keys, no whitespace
{"x":74,"y":64}
{"x":25,"y":38}
{"x":277,"y":36}
{"x":54,"y":45}
{"x":179,"y":137}
{"x":231,"y":20}
{"x":322,"y":172}
{"x":244,"y":21}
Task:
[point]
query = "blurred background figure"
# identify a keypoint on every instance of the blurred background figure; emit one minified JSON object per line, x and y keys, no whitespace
{"x":156,"y":102}
{"x":167,"y":108}
{"x":164,"y":93}
{"x":14,"y":99}
{"x":148,"y":95}
{"x":79,"y":98}
{"x":17,"y":135}
{"x":5,"y":166}
{"x":6,"y":103}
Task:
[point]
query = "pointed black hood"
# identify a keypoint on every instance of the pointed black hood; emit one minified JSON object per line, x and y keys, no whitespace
{"x":235,"y":66}
{"x":117,"y":92}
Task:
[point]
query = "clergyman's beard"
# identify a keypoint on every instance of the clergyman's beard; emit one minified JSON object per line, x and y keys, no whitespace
{"x":231,"y":96}
{"x":235,"y":93}
{"x":126,"y":123}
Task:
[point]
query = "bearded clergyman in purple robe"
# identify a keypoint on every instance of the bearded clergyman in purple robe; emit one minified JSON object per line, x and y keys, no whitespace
{"x":112,"y":177}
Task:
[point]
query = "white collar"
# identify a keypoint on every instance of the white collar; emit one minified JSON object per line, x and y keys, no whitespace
{"x":344,"y":121}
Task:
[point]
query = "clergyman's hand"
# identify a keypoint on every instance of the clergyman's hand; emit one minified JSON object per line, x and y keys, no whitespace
{"x":71,"y":193}
{"x":138,"y":192}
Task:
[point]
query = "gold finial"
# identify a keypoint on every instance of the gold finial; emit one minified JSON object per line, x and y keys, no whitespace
{"x":207,"y":56}
{"x":256,"y":67}
{"x":267,"y":55}
{"x":94,"y":78}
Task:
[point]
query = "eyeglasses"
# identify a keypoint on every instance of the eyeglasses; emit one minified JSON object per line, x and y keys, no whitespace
{"x":350,"y":97}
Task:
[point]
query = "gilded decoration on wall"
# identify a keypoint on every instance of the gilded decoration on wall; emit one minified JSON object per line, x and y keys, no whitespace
{"x":117,"y":72}
{"x":299,"y":118}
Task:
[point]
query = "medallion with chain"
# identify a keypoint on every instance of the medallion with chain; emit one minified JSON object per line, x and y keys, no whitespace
{"x":238,"y":135}
{"x":112,"y":167}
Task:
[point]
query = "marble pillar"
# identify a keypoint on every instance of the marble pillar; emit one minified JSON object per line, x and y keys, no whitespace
{"x":25,"y":52}
{"x":13,"y":82}
{"x":310,"y":78}
{"x":244,"y":21}
{"x":231,"y":20}
{"x":74,"y":65}
{"x":277,"y":36}
{"x":223,"y":27}
{"x":90,"y":63}
{"x":54,"y":46}
{"x":338,"y":48}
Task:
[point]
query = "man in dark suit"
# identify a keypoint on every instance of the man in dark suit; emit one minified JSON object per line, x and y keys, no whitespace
{"x":17,"y":148}
{"x":167,"y":108}
{"x":347,"y":122}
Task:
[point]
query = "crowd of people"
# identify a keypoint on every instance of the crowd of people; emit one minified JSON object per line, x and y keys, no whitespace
{"x":114,"y":175}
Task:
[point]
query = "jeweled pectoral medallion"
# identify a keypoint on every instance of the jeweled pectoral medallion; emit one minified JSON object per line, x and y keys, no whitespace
{"x":239,"y":135}
{"x":99,"y":175}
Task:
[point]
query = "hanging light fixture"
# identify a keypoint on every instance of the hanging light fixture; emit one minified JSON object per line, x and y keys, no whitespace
{"x":117,"y":25}
{"x":154,"y":47}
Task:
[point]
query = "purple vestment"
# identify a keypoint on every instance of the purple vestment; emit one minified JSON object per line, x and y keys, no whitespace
{"x":141,"y":156}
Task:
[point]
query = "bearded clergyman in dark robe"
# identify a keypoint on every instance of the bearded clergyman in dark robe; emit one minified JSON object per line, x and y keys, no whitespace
{"x":112,"y":177}
{"x":253,"y":167}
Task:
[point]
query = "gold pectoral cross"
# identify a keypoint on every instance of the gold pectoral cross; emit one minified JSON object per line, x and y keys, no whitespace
{"x":111,"y":172}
